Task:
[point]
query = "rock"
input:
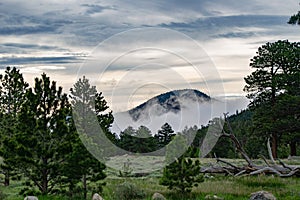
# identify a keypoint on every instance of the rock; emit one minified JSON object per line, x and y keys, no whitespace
{"x":31,"y":198}
{"x":213,"y":197}
{"x":96,"y":196}
{"x":158,"y":196}
{"x":208,"y":176}
{"x":262,"y":195}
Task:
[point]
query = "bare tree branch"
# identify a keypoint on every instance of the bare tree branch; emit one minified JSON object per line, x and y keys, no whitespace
{"x":270,"y":151}
{"x":282,"y":170}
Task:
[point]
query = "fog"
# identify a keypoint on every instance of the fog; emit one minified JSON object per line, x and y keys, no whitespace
{"x":191,"y":113}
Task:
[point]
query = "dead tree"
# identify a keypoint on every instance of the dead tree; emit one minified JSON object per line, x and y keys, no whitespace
{"x":281,"y":169}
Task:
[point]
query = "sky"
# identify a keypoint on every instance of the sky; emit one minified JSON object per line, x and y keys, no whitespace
{"x":134,"y":50}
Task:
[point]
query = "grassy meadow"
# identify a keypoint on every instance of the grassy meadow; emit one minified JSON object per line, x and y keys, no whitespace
{"x":227,"y":187}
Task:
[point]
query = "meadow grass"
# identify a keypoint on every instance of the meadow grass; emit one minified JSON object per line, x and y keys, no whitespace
{"x":228,"y":187}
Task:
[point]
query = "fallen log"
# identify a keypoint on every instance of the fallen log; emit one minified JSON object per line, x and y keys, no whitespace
{"x":237,"y":171}
{"x":281,"y":169}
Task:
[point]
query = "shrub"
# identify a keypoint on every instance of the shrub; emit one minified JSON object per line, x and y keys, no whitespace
{"x":182,"y":175}
{"x":128,"y":191}
{"x":2,"y":195}
{"x":126,"y":169}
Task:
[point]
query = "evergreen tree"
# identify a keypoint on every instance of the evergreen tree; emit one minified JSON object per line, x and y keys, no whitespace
{"x":137,"y":141}
{"x":127,"y":141}
{"x":165,"y":135}
{"x":295,"y":19}
{"x":277,"y":67}
{"x":43,"y":141}
{"x":146,"y":140}
{"x":287,"y":118}
{"x":87,"y":103}
{"x":182,"y":175}
{"x":12,"y":93}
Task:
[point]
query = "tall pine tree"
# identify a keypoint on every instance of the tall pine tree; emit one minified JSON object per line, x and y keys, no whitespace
{"x":43,"y":141}
{"x":276,"y":72}
{"x":12,"y":93}
{"x":88,"y":104}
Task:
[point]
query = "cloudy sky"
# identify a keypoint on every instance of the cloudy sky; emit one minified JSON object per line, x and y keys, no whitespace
{"x":134,"y":50}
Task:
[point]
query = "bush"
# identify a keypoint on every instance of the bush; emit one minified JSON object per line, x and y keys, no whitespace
{"x":126,"y":169}
{"x":2,"y":195}
{"x":128,"y":191}
{"x":182,"y":175}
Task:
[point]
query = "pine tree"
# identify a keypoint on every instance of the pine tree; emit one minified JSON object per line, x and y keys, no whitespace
{"x":165,"y":135}
{"x":43,"y":141}
{"x":147,"y":143}
{"x":88,"y":106}
{"x":276,"y":72}
{"x":12,"y":92}
{"x":138,"y":141}
{"x":295,"y":19}
{"x":127,"y":139}
{"x":182,"y":175}
{"x":287,"y":118}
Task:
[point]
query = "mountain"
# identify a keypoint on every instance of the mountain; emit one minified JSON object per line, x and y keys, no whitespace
{"x":179,"y":108}
{"x":173,"y":101}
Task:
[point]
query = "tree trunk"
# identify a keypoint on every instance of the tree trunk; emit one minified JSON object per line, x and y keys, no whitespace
{"x":274,"y":146}
{"x":84,"y":187}
{"x":293,"y":149}
{"x":45,"y":176}
{"x":6,"y":178}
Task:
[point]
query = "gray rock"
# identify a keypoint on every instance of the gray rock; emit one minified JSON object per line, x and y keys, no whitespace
{"x":158,"y":196}
{"x":262,"y":195}
{"x":31,"y":198}
{"x":96,"y":196}
{"x":213,"y":197}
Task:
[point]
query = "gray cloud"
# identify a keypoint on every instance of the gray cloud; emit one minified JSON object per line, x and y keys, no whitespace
{"x":22,"y":30}
{"x":31,"y":46}
{"x":32,"y":31}
{"x":18,"y":24}
{"x":12,"y":60}
{"x":93,"y":8}
{"x":227,"y":22}
{"x":237,"y":35}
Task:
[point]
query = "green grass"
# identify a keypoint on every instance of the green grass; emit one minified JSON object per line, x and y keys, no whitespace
{"x":12,"y":191}
{"x":227,"y":187}
{"x":230,"y":188}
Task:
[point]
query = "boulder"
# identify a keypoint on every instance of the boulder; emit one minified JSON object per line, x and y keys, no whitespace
{"x":262,"y":195}
{"x":31,"y":198}
{"x":213,"y":197}
{"x":158,"y":196}
{"x":96,"y":196}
